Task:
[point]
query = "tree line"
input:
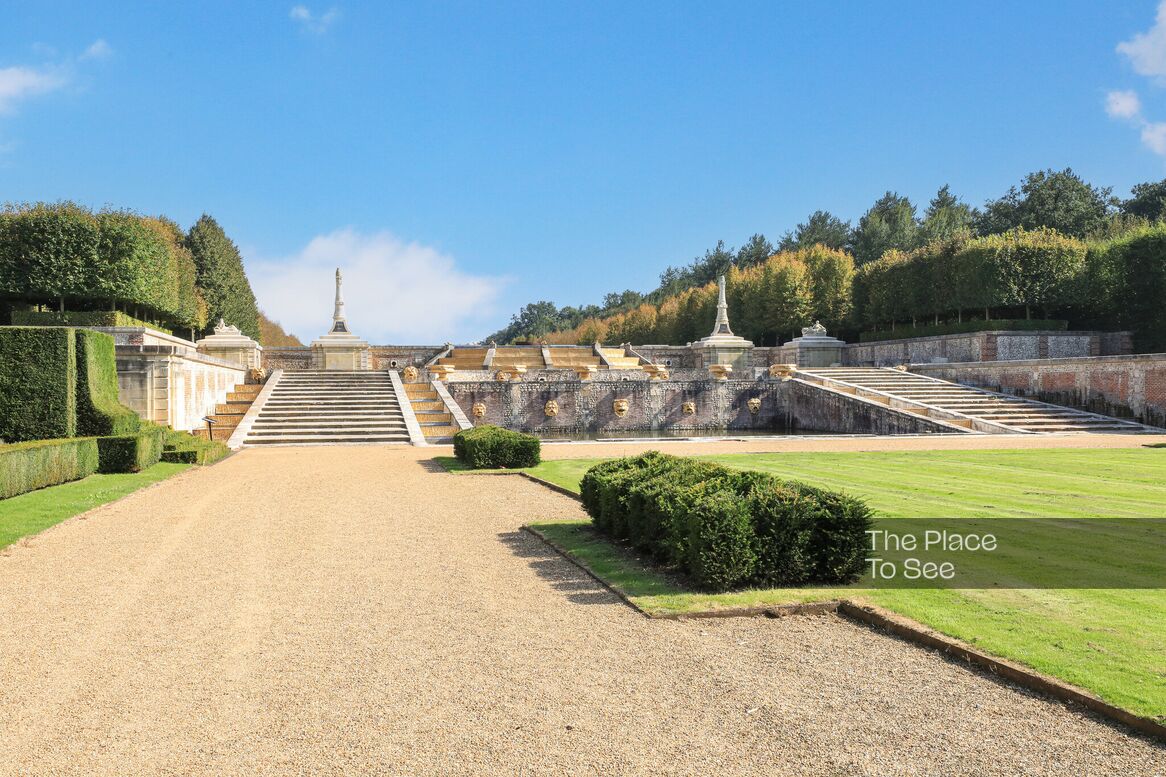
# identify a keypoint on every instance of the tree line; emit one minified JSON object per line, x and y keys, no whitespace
{"x":66,"y":257}
{"x":1046,"y":201}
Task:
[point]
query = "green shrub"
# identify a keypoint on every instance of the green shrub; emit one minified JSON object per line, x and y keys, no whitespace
{"x":963,"y":327}
{"x":80,"y":318}
{"x":28,"y":466}
{"x":130,"y":452}
{"x":725,"y":528}
{"x":99,"y":413}
{"x":492,"y":447}
{"x":184,"y":448}
{"x":38,"y":384}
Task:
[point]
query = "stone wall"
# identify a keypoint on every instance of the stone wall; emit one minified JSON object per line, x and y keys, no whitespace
{"x":814,"y":408}
{"x":589,"y":406}
{"x":986,"y":346}
{"x":381,"y":357}
{"x":1123,"y":386}
{"x":173,"y":385}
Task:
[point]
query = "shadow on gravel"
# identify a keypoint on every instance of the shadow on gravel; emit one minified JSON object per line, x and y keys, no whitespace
{"x":564,"y":576}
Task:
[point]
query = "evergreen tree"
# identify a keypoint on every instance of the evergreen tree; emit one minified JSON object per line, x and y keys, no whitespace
{"x":1148,"y":201}
{"x":889,"y":224}
{"x":821,"y":228}
{"x":755,"y":252}
{"x":946,"y":217}
{"x":221,"y":278}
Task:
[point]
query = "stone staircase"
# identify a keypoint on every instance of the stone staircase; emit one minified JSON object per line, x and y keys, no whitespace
{"x":432,"y":416}
{"x":618,"y":360}
{"x":228,"y":414}
{"x":329,"y":407}
{"x":978,"y":409}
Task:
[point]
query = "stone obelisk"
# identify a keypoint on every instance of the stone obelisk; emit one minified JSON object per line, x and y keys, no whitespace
{"x":723,"y":352}
{"x":721,"y":327}
{"x":340,"y":349}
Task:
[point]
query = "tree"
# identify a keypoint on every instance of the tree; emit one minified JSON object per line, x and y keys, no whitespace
{"x":271,"y":333}
{"x":533,"y":321}
{"x":1059,"y":200}
{"x":1148,"y":201}
{"x":946,"y":216}
{"x":889,"y":224}
{"x":221,"y":277}
{"x":754,"y":252}
{"x":622,"y":300}
{"x":821,"y":228}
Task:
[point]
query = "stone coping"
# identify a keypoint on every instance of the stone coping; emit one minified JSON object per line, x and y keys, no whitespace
{"x":1006,"y":332}
{"x":188,"y":354}
{"x":144,"y":330}
{"x":1068,"y":360}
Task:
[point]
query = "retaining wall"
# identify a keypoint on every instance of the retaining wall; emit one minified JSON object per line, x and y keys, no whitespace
{"x":816,"y":409}
{"x":174,"y":385}
{"x":1124,"y":386}
{"x":986,"y":347}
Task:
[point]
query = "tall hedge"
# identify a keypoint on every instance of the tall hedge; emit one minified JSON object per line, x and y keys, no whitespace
{"x":1019,"y":271}
{"x":64,"y":255}
{"x":1129,"y":283}
{"x":99,"y":412}
{"x":38,"y":383}
{"x":59,"y":382}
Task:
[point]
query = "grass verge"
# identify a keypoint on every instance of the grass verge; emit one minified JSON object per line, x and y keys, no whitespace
{"x":26,"y":514}
{"x":1110,"y":642}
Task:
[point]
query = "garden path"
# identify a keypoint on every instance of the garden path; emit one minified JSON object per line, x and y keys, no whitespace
{"x":353,"y":610}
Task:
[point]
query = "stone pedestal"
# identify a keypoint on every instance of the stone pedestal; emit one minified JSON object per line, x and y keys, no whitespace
{"x":231,"y":345}
{"x":722,"y":346}
{"x":339,"y":349}
{"x":813,"y":349}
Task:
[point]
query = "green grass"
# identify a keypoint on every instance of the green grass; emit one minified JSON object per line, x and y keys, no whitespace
{"x":1111,"y":642}
{"x":36,"y":511}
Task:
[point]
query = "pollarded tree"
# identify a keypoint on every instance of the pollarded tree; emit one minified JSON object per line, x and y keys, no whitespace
{"x":221,"y":277}
{"x":831,"y":280}
{"x":889,"y":224}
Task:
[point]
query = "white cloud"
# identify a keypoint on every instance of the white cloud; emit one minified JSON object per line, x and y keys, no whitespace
{"x":1123,"y":105}
{"x":19,"y":83}
{"x":310,"y":22}
{"x":1154,"y":136}
{"x":394,"y":292}
{"x":1147,"y":51}
{"x":98,"y":49}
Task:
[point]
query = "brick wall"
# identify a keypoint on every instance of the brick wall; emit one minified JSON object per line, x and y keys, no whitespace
{"x":1123,"y":386}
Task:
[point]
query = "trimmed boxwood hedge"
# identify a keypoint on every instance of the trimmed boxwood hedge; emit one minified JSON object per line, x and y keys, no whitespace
{"x":99,"y":412}
{"x":492,"y":447}
{"x":184,"y":448}
{"x":728,"y":529}
{"x":28,"y":466}
{"x":38,"y":383}
{"x":130,"y":452}
{"x":59,"y":382}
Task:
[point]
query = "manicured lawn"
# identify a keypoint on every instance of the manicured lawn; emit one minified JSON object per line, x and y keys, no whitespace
{"x":1111,"y":642}
{"x":35,"y":511}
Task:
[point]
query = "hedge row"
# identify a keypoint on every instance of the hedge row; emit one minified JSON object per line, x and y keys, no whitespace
{"x":80,"y":318}
{"x":1016,"y":270}
{"x":59,"y":382}
{"x":492,"y":447}
{"x":130,"y":452}
{"x":28,"y":466}
{"x":66,"y":254}
{"x":964,"y":327}
{"x":184,"y":448}
{"x":728,"y":529}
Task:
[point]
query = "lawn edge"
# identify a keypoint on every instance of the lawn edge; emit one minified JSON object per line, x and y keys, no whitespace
{"x":23,"y":540}
{"x":889,"y":622}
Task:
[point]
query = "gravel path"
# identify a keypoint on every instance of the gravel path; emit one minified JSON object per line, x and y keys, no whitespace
{"x":349,"y":610}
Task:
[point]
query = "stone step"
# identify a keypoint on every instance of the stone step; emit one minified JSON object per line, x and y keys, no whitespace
{"x":231,"y":408}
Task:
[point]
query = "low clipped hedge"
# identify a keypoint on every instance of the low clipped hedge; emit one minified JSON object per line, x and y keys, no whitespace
{"x":492,"y":447}
{"x":184,"y":448}
{"x":727,"y":529}
{"x":28,"y":466}
{"x":130,"y":452}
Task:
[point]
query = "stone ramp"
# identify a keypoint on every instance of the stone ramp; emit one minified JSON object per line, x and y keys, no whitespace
{"x":976,"y":409}
{"x":330,"y":407}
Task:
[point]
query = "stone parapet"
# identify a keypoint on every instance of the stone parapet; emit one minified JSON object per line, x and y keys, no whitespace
{"x":172,"y":385}
{"x":986,"y":346}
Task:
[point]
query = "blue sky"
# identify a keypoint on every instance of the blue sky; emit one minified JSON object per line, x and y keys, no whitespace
{"x":461,"y":159}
